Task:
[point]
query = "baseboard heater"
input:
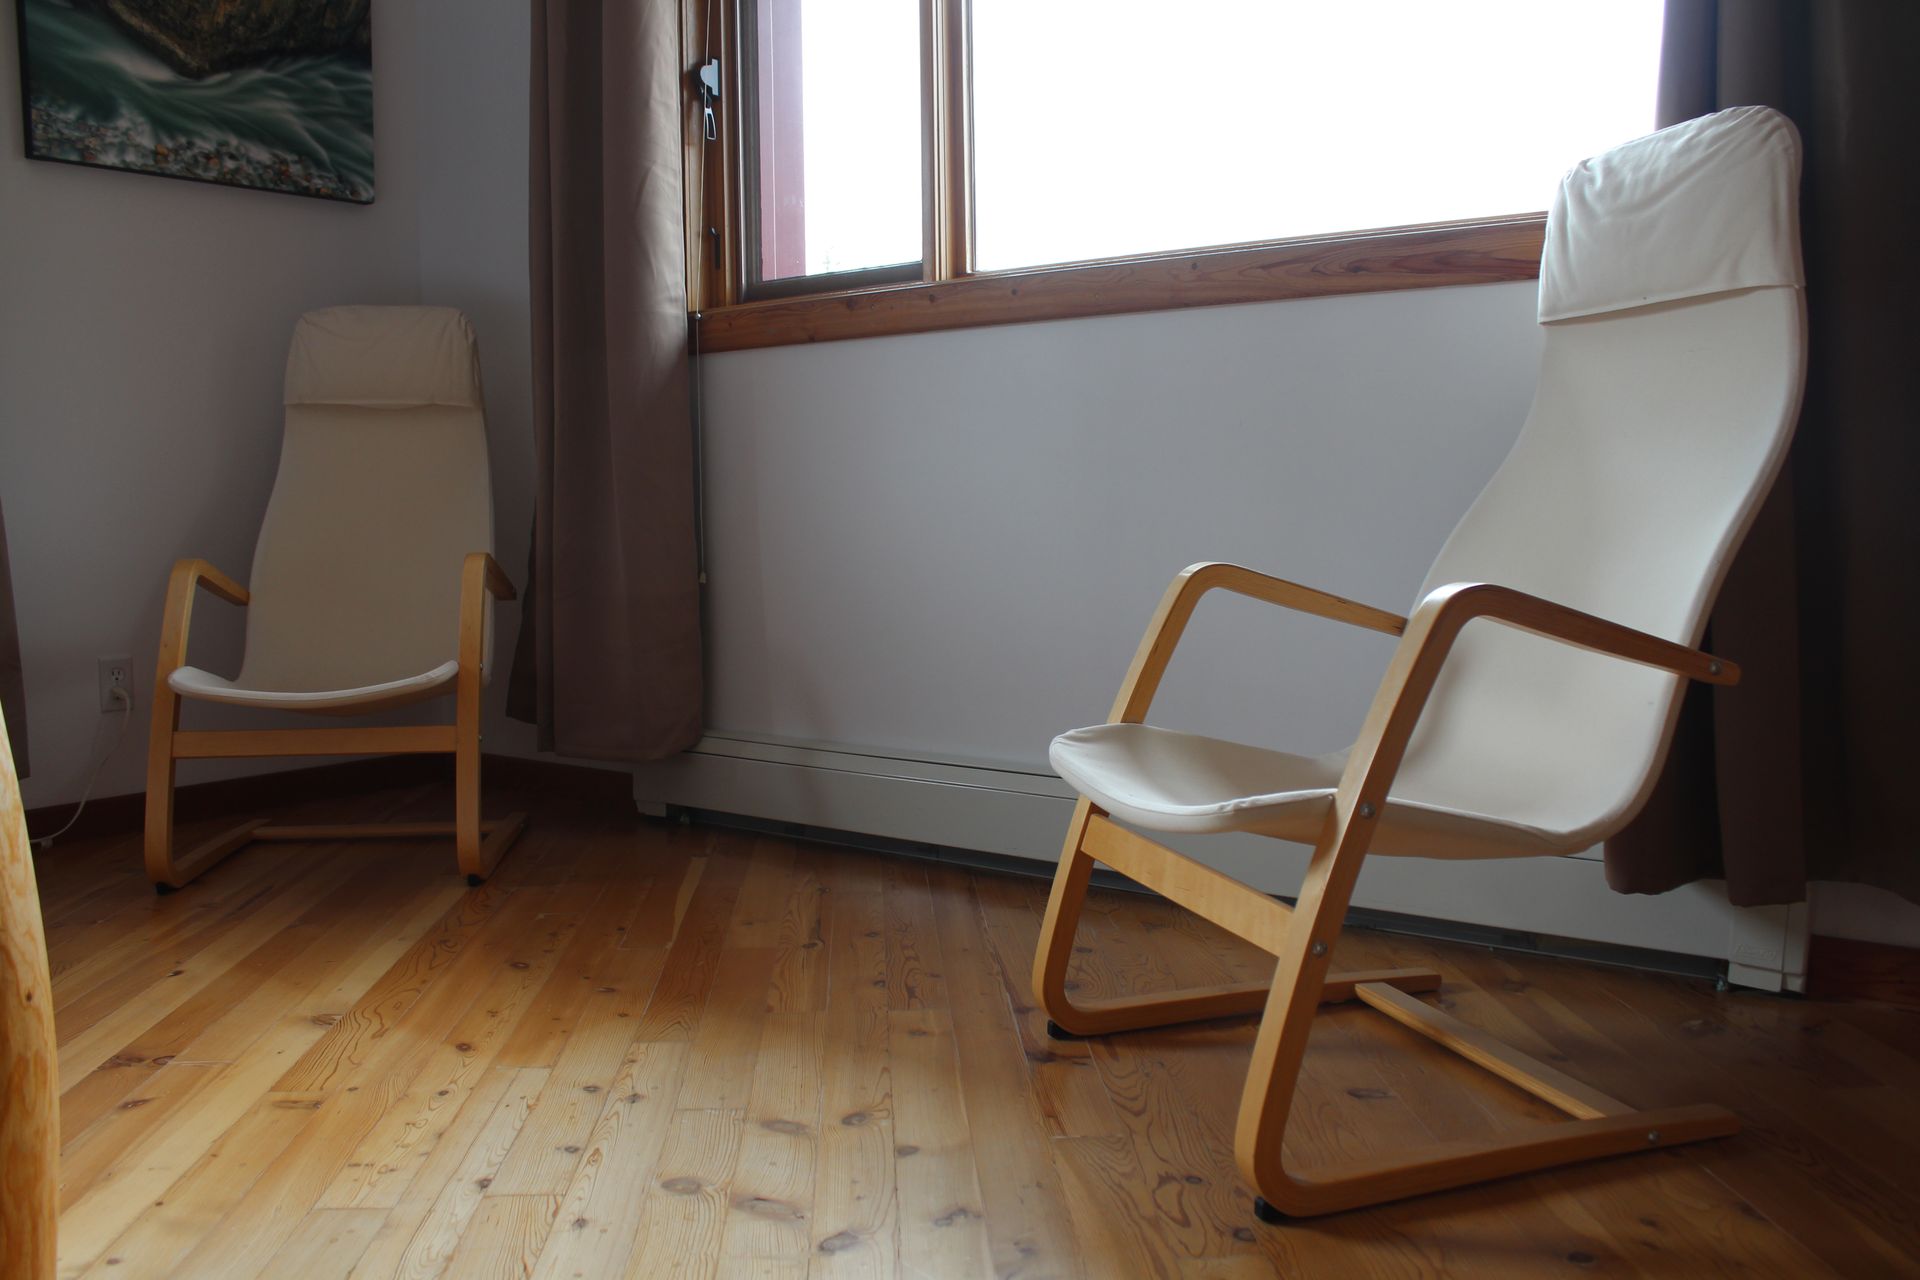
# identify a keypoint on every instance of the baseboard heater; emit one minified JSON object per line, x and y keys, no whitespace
{"x":1013,"y":817}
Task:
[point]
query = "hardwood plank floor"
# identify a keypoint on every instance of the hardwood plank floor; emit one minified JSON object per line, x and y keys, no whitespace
{"x":648,"y":1050}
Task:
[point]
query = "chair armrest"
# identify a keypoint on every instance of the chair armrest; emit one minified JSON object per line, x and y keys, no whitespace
{"x":1451,"y":607}
{"x":175,"y":623}
{"x":480,"y":577}
{"x":1430,"y":636}
{"x":491,"y":576}
{"x":198,"y":573}
{"x":1177,"y":605}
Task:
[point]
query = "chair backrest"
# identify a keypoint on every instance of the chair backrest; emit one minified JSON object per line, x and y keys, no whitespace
{"x":1674,"y":355}
{"x":382,"y":492}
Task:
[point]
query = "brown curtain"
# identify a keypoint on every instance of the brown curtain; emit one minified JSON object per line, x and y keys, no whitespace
{"x":609,"y":660}
{"x":13,"y":684}
{"x":1804,"y":770}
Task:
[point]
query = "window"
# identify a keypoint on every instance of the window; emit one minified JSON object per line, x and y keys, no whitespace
{"x":833,"y":105}
{"x":965,"y":161}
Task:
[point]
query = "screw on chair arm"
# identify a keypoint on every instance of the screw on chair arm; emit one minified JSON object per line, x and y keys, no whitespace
{"x":1177,"y":605}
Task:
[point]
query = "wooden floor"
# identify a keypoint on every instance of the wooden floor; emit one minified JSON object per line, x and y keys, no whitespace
{"x":649,"y":1050}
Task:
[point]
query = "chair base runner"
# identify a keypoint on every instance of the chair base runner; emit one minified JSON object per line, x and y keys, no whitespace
{"x":1598,"y":1125}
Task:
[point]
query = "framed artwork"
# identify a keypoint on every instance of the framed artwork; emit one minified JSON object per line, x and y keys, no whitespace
{"x":271,"y":94}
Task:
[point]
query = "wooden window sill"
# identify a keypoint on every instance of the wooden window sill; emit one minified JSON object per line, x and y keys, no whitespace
{"x":1485,"y":252}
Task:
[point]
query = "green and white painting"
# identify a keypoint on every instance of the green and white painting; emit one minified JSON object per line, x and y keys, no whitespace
{"x":272,"y":94}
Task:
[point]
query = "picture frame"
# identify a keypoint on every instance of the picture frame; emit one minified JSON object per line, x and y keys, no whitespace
{"x":256,"y":94}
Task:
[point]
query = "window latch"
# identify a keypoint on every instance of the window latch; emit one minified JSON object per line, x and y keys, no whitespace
{"x":709,"y":94}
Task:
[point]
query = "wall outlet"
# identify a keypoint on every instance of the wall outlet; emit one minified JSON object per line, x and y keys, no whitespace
{"x":116,"y":674}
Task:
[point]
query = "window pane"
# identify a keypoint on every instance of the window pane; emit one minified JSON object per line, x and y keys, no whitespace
{"x":838,"y":135}
{"x":1131,"y":126}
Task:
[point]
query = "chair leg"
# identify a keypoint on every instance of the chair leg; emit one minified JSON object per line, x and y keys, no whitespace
{"x":1067,"y":1019}
{"x":1130,"y":1013}
{"x":466,"y":781}
{"x":161,"y":871}
{"x":1604,"y":1125}
{"x":1601,"y":1126}
{"x":478,"y":845}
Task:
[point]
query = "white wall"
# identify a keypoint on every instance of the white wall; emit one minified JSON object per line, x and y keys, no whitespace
{"x":944,"y":544}
{"x":143,"y":331}
{"x":1864,"y":912}
{"x":950,"y":543}
{"x":471,"y":84}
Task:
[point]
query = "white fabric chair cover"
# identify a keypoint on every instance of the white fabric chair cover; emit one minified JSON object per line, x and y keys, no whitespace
{"x":1674,"y":356}
{"x":383,"y":491}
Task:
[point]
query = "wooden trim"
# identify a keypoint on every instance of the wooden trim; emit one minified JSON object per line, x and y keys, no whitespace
{"x":366,"y":830}
{"x":1488,"y":252}
{"x":1849,"y":969}
{"x":222,"y":744}
{"x":708,"y":183}
{"x":600,"y":789}
{"x":198,"y":801}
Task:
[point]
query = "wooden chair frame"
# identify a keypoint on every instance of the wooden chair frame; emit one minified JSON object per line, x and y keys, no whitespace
{"x":478,"y":844}
{"x":29,"y":1074}
{"x":1302,"y":937}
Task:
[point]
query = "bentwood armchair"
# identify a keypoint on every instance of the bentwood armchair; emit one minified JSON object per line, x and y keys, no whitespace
{"x":372,"y":581}
{"x":29,"y":1093}
{"x":1529,"y":705}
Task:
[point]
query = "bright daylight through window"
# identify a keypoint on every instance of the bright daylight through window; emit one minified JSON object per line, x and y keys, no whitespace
{"x":1141,"y":126}
{"x":838,"y":135}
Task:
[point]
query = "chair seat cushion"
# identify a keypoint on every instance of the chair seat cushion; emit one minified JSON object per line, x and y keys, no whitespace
{"x":192,"y":682}
{"x":1181,"y":782}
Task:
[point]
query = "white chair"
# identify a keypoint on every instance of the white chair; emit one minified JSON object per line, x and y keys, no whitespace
{"x":370,"y":582}
{"x":1675,"y":349}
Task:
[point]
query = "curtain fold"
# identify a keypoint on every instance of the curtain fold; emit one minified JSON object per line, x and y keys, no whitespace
{"x":13,"y":684}
{"x":1801,"y":772}
{"x":609,"y":659}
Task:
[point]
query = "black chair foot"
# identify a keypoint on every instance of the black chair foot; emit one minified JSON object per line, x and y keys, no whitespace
{"x":162,"y":889}
{"x":1057,"y":1032}
{"x":474,"y":882}
{"x":1268,"y":1214}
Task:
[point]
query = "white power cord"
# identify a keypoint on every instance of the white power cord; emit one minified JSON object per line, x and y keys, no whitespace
{"x":125,"y":700}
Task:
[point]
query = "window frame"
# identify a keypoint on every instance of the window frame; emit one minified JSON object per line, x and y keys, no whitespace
{"x":945,"y":290}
